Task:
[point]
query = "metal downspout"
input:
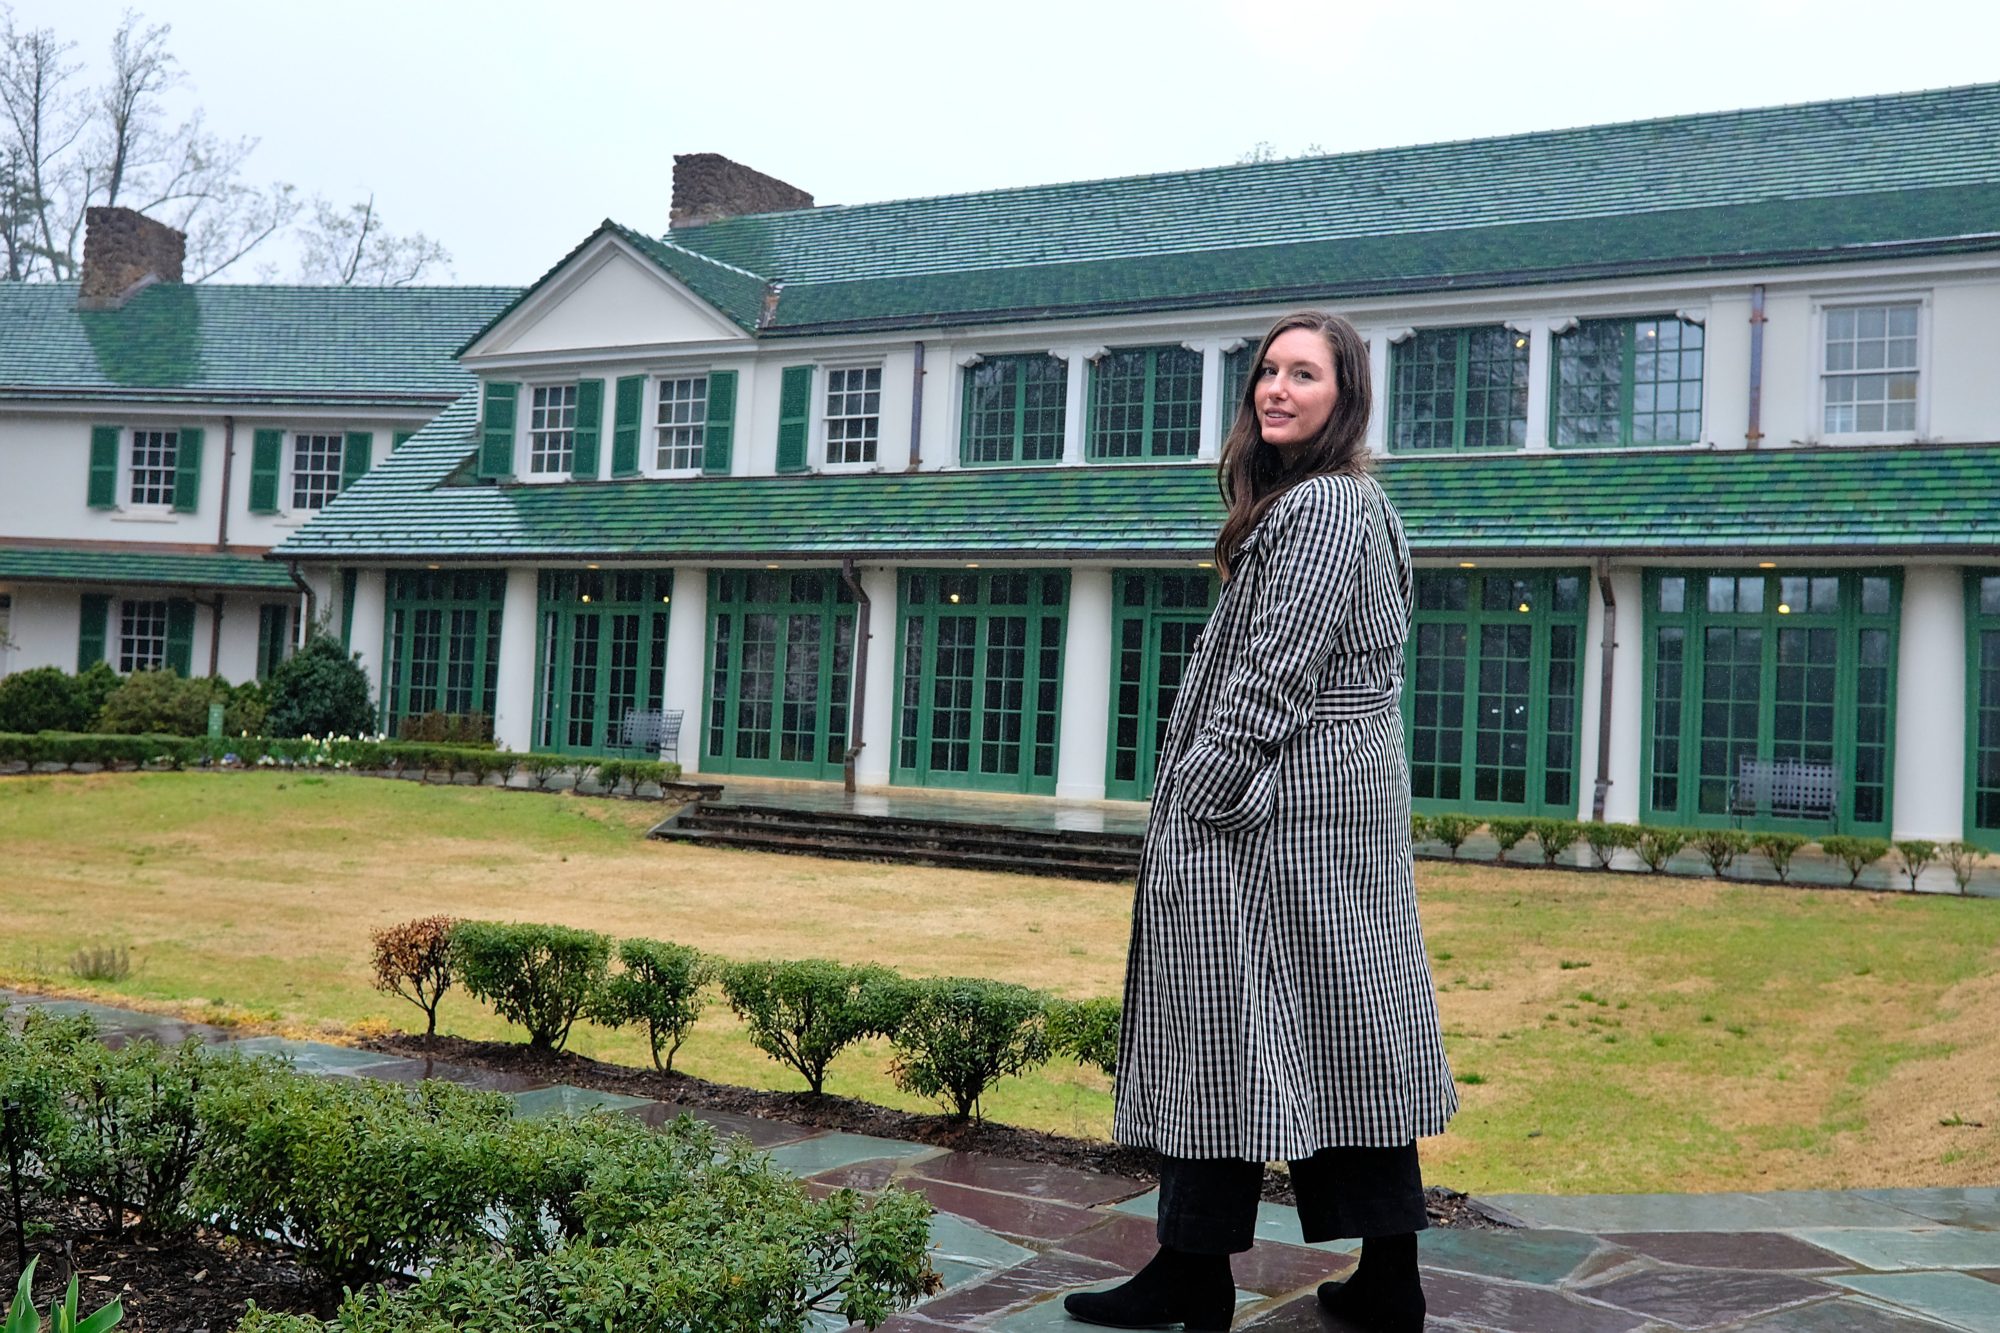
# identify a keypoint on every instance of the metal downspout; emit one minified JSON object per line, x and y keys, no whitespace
{"x":1755,"y":435}
{"x":857,"y":711}
{"x":228,"y":462}
{"x":1606,"y":647}
{"x":312,"y":603}
{"x":917,"y":411}
{"x":215,"y":635}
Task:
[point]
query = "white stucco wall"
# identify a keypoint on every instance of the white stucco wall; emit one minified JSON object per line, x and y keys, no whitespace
{"x":610,"y":299}
{"x":1086,"y":694}
{"x":1929,"y":798}
{"x":514,"y":685}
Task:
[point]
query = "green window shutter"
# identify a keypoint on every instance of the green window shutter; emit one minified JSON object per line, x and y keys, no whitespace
{"x":354,"y":457}
{"x":794,"y":417}
{"x":625,"y":426}
{"x":349,"y":580}
{"x":104,"y":472}
{"x":187,"y":471}
{"x":96,"y":608}
{"x":180,"y":636}
{"x":266,"y":448}
{"x":719,"y":430}
{"x":589,"y":424}
{"x":496,"y":442}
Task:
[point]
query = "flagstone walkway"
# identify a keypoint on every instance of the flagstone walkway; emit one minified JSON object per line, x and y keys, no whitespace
{"x":1011,"y":1237}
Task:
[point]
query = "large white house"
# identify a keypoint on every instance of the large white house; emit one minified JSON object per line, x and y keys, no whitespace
{"x":1695,"y":425}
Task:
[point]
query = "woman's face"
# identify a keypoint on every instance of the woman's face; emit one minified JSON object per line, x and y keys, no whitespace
{"x":1295,"y":389}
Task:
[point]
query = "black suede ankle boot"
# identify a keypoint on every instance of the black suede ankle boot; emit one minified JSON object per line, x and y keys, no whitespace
{"x":1194,"y":1291}
{"x":1384,"y":1293}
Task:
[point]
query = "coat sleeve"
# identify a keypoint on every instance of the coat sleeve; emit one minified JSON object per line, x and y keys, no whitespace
{"x":1312,"y":549}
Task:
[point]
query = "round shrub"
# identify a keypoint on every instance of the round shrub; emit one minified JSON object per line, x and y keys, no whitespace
{"x":806,"y":1012}
{"x":45,"y":699}
{"x":161,"y":703}
{"x":1087,"y":1031}
{"x":320,"y":690}
{"x":660,"y":989}
{"x":960,"y":1035}
{"x":541,"y":977}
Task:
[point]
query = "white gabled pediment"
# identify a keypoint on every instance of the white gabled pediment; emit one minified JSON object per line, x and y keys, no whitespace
{"x":606,"y":295}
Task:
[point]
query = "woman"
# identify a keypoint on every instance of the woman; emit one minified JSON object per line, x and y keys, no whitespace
{"x":1278,"y":1003}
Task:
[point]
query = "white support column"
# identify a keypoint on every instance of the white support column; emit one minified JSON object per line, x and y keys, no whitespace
{"x":878,"y":719}
{"x":1931,"y":735}
{"x":514,"y":690}
{"x":1541,"y":347}
{"x":1078,"y":397}
{"x":1628,"y":709}
{"x":1379,"y":341}
{"x":687,"y":667}
{"x":1086,"y":692}
{"x":371,"y":599}
{"x":1212,"y":406}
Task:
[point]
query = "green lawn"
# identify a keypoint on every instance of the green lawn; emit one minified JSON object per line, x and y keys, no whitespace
{"x":1612,"y":1032}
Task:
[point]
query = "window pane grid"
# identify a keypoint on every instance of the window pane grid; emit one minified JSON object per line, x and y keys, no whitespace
{"x":853,"y":414}
{"x":142,"y":636}
{"x":552,"y":430}
{"x":315,"y":470}
{"x":1870,"y":369}
{"x":681,"y":415}
{"x":1014,"y":409}
{"x":1629,"y":381}
{"x":155,"y":456}
{"x":1146,"y":403}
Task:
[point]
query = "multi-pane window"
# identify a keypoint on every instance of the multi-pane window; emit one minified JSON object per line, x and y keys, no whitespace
{"x":1459,"y":389}
{"x":682,"y":414}
{"x":1145,"y":402}
{"x":155,"y":453}
{"x":1157,"y":618}
{"x":552,"y":430}
{"x":1982,"y":795}
{"x":443,"y":645}
{"x":142,"y":636}
{"x":781,"y":673}
{"x":1235,"y":375}
{"x":1629,"y":381}
{"x":1869,"y":375}
{"x":603,"y":656}
{"x":1014,"y":409}
{"x":853,"y":414}
{"x":315,"y":469}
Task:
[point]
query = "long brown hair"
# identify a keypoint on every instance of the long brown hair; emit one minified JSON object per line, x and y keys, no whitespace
{"x":1253,"y":474}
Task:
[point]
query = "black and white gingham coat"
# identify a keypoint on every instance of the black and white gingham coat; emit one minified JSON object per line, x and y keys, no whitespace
{"x":1277,"y":996}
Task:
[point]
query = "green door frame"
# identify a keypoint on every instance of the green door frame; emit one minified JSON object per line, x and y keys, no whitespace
{"x":1145,"y":603}
{"x":596,"y":599}
{"x":1982,"y":617}
{"x":467,"y":665}
{"x":825,"y":614}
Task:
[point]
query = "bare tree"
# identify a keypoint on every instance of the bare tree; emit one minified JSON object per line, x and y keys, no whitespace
{"x":45,"y":120}
{"x":350,"y":248}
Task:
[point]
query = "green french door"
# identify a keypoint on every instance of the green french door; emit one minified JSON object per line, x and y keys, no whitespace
{"x":1157,"y":615}
{"x":441,"y":644}
{"x":603,"y":653}
{"x":1492,"y":688}
{"x":1982,"y":708}
{"x":981,"y":679}
{"x":781,"y":667}
{"x":1769,"y":665}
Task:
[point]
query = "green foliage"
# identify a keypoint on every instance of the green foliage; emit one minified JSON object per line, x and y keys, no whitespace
{"x":441,"y":728}
{"x":1857,"y":854}
{"x":1778,"y":849}
{"x":540,"y":977}
{"x":93,"y":685}
{"x":1720,"y":847}
{"x":1420,"y":826}
{"x":1914,"y":854}
{"x":1657,"y":845}
{"x":1606,"y":840}
{"x":319,"y":690}
{"x":1087,"y":1031}
{"x":413,"y":959}
{"x":1509,"y":832}
{"x":161,"y":703}
{"x":960,"y":1035}
{"x":63,"y":1316}
{"x":633,"y":774}
{"x":101,"y":962}
{"x":805,"y":1013}
{"x":46,"y":699}
{"x":361,"y":1177}
{"x":1555,"y":837}
{"x":1962,"y":858}
{"x":658,"y":986}
{"x":542,"y":767}
{"x":131,"y":1134}
{"x":1453,"y":830}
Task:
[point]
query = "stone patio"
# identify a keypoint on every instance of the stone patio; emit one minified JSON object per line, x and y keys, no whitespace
{"x":1010,"y":1237}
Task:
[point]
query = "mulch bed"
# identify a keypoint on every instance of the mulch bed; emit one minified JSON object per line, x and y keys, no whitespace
{"x":1447,"y":1208}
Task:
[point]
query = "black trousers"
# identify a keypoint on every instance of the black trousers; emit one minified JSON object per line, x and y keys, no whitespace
{"x":1209,"y":1205}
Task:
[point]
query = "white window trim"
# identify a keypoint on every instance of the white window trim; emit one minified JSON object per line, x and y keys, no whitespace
{"x":128,"y":457}
{"x":1546,"y":329}
{"x":817,"y":444}
{"x":649,"y":421}
{"x":288,"y":472}
{"x":1815,"y":396}
{"x":115,"y":648}
{"x":524,"y":434}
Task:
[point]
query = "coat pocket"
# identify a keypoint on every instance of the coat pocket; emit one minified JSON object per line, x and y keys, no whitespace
{"x":1251,"y":808}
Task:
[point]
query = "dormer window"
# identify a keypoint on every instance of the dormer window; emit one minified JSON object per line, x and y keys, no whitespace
{"x":682,"y":416}
{"x":552,"y":430}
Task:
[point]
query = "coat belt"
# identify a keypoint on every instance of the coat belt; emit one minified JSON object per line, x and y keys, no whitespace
{"x":1350,"y":703}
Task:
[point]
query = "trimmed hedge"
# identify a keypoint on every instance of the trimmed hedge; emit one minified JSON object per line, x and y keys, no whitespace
{"x":960,"y":1035}
{"x":540,"y":977}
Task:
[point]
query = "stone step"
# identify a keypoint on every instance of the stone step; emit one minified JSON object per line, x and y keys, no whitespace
{"x":1126,"y":843}
{"x":886,"y":833}
{"x":1021,"y":859}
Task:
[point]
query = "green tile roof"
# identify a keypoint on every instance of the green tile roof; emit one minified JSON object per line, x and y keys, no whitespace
{"x":1911,"y":173}
{"x":141,"y":567}
{"x":175,"y":342}
{"x":419,"y":505}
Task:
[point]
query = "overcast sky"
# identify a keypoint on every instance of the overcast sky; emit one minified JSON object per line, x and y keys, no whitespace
{"x":507,"y":130}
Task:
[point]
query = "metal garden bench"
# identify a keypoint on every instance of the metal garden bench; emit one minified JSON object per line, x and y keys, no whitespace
{"x":1785,"y":788}
{"x":653,"y":732}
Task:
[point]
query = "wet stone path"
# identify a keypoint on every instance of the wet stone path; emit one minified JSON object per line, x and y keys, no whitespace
{"x":1010,"y":1237}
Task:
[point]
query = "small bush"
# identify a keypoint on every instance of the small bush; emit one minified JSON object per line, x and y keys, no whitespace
{"x":320,"y":690}
{"x":659,"y":987}
{"x":1963,"y":858}
{"x":132,"y":1138}
{"x":1509,"y":833}
{"x":413,"y":959}
{"x":1778,"y":849}
{"x":540,"y":977}
{"x":1420,"y":827}
{"x":802,"y":1014}
{"x":1720,"y":847}
{"x":161,"y":703}
{"x":1087,"y":1031}
{"x":1914,"y":855}
{"x":1606,"y":840}
{"x":1555,"y":837}
{"x":441,"y":728}
{"x":101,"y":962}
{"x":1656,"y":845}
{"x":960,"y":1035}
{"x":45,"y":699}
{"x":542,"y":767}
{"x":1857,"y":854}
{"x":1453,"y":830}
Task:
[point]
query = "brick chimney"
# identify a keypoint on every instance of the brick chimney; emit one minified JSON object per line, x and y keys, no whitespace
{"x":124,"y":251}
{"x":709,"y":187}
